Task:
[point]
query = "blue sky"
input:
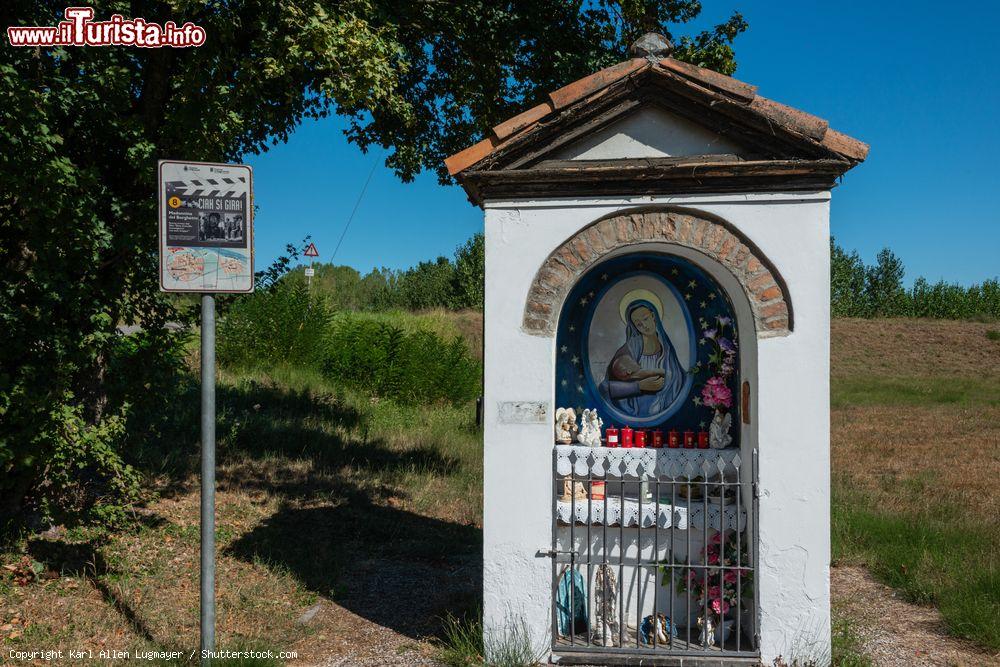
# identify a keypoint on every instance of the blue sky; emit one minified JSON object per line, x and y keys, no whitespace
{"x":916,"y":80}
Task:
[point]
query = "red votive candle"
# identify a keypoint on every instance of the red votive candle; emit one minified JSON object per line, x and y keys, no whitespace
{"x":688,"y":439}
{"x":627,"y":436}
{"x":657,"y":439}
{"x":611,"y":437}
{"x":702,"y":439}
{"x":640,"y":438}
{"x":673,"y":439}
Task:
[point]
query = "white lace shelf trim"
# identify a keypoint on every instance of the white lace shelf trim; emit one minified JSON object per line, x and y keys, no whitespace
{"x":677,"y":516}
{"x":645,"y":463}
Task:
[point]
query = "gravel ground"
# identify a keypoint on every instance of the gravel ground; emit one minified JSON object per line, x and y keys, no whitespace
{"x":895,"y":633}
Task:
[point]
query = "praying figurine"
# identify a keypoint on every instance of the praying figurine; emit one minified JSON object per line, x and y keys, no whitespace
{"x":566,"y":427}
{"x":573,"y":490}
{"x":718,"y":431}
{"x":590,"y":429}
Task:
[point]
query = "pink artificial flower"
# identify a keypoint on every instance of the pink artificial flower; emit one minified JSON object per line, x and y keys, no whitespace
{"x":714,"y":592}
{"x":720,"y":606}
{"x":713,"y":559}
{"x":730,"y":577}
{"x":715,"y":538}
{"x":716,"y":394}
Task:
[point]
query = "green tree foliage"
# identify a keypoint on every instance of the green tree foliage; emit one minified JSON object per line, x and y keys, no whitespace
{"x":884,"y":290}
{"x":858,"y":290}
{"x":847,"y":282}
{"x":470,"y":274}
{"x":81,"y":130}
{"x":455,"y":283}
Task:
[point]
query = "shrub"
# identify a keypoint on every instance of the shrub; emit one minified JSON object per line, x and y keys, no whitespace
{"x":284,"y":324}
{"x":388,"y":362}
{"x":85,"y":477}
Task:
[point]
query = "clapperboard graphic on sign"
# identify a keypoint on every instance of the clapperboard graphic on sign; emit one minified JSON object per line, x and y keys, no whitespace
{"x":206,"y":230}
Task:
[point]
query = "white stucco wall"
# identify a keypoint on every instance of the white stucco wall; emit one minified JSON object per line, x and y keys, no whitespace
{"x":649,"y":132}
{"x":791,"y":406}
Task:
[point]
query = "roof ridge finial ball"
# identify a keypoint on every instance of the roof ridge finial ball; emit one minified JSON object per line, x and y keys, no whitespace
{"x":652,"y":46}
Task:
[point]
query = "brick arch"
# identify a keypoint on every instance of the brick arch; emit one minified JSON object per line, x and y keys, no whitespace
{"x":765,"y":289}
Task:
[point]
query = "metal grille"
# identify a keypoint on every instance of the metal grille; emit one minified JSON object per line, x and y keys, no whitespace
{"x":669,"y":543}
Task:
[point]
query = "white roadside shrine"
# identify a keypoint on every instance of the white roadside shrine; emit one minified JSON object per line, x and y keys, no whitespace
{"x":657,"y":250}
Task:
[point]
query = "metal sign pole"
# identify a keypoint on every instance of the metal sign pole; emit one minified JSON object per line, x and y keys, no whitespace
{"x":207,"y":475}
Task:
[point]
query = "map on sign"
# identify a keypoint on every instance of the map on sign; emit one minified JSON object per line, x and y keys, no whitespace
{"x":206,"y":227}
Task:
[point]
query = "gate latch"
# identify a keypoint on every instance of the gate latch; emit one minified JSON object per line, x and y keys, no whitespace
{"x":550,"y":553}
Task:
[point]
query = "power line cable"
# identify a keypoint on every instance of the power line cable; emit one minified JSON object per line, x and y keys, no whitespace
{"x":355,"y":210}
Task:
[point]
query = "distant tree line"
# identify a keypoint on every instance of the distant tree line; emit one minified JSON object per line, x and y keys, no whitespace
{"x":860,"y":290}
{"x":454,"y":283}
{"x":856,"y":289}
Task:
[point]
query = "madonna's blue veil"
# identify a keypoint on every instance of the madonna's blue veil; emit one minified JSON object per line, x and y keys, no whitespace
{"x":639,"y":404}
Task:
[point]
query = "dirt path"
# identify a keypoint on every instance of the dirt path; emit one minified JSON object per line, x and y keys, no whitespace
{"x":895,"y":633}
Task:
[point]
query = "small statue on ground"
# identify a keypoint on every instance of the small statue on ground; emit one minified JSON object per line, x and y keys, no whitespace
{"x":658,"y":632}
{"x":605,"y":599}
{"x":707,"y":636}
{"x":590,"y":430}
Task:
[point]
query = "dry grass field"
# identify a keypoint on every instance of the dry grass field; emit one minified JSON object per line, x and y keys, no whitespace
{"x":916,"y":461}
{"x":349,"y":529}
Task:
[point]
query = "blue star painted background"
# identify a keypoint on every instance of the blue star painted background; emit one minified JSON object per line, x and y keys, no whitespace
{"x":693,"y":315}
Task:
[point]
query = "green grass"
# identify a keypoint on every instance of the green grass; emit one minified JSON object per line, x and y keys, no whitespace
{"x":993,"y":334}
{"x":847,"y":649}
{"x":931,"y":554}
{"x":461,"y":641}
{"x":879,"y":390}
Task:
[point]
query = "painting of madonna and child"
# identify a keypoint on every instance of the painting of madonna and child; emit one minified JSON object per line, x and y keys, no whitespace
{"x":649,"y":341}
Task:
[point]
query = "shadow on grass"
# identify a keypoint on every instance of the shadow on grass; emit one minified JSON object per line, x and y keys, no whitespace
{"x":263,"y":422}
{"x":336,"y":530}
{"x":395,"y":568}
{"x":84,"y":559}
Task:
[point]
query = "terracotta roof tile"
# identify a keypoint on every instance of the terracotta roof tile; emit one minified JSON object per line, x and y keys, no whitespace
{"x":721,"y":82}
{"x":845,"y":145}
{"x":521,"y":121}
{"x":596,"y":81}
{"x":600,"y":83}
{"x":469,"y":156}
{"x":786,"y":116}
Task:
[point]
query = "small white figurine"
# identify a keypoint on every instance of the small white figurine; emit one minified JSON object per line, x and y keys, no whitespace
{"x":565,"y":426}
{"x":707,"y":636}
{"x":718,"y":432}
{"x":590,"y":429}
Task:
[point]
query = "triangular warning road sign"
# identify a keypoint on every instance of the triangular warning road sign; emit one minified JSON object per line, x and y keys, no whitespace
{"x":311,"y":251}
